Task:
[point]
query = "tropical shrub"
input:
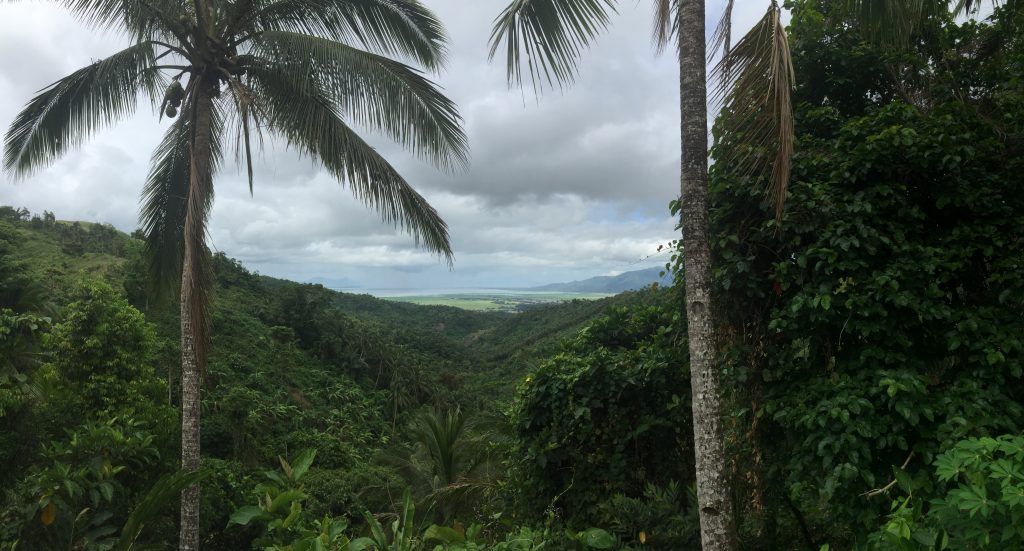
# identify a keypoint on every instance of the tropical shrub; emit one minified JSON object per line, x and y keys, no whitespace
{"x":279,"y":513}
{"x":980,"y":503}
{"x":445,"y":464}
{"x":879,"y":323}
{"x":100,"y":353}
{"x":662,"y":518}
{"x":80,"y":493}
{"x":609,"y":415}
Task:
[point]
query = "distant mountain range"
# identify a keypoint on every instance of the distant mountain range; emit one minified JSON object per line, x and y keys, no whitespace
{"x":626,"y":281}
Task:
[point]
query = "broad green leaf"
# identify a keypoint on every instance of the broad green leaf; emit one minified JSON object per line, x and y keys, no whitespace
{"x":597,"y":538}
{"x":247,"y":514}
{"x":284,"y":500}
{"x":302,"y":463}
{"x":443,"y":534}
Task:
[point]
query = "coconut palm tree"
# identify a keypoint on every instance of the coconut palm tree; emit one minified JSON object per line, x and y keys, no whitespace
{"x":752,"y":81}
{"x":303,"y":71}
{"x":754,"y":84}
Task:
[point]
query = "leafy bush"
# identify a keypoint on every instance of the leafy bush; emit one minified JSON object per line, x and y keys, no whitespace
{"x":608,"y":416}
{"x":980,"y":503}
{"x":100,"y":359}
{"x":79,"y":494}
{"x":663,"y":518}
{"x":880,"y":320}
{"x":279,"y":512}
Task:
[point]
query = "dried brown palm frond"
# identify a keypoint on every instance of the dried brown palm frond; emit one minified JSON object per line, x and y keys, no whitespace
{"x":721,"y":41}
{"x":754,"y":84}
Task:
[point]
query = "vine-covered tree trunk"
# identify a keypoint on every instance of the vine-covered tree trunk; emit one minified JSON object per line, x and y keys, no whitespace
{"x":717,"y":526}
{"x":192,"y":311}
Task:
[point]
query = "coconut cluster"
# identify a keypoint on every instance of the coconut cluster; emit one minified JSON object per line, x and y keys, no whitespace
{"x":172,"y":98}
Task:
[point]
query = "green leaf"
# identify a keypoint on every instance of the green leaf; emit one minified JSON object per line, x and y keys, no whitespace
{"x":247,"y":514}
{"x":947,"y":467}
{"x":371,"y":91}
{"x":360,"y":544}
{"x":165,"y":490}
{"x":305,"y":117}
{"x":905,"y":481}
{"x":284,"y":501}
{"x":597,"y":538}
{"x":550,"y":35}
{"x":973,"y":499}
{"x":302,"y":463}
{"x":442,"y":534}
{"x":70,"y":110}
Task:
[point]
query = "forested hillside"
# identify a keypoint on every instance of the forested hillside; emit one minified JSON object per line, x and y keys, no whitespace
{"x":292,"y":366}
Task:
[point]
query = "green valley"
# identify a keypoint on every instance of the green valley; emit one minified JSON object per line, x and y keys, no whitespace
{"x":292,"y":366}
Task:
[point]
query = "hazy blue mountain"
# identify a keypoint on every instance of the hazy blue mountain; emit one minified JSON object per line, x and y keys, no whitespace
{"x":626,"y":281}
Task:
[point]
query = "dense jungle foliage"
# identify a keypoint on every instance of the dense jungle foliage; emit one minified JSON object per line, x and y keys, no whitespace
{"x":872,"y":351}
{"x":89,"y":388}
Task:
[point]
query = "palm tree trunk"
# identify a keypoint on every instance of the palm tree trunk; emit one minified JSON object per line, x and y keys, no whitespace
{"x":717,"y":526}
{"x":193,"y":295}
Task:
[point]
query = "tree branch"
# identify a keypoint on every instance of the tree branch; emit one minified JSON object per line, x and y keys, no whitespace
{"x":887,"y":487}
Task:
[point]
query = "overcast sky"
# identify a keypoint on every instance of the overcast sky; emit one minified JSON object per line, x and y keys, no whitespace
{"x":574,"y":185}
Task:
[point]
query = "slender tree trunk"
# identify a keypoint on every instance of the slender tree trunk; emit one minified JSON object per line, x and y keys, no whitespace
{"x":192,"y":312}
{"x":717,"y":526}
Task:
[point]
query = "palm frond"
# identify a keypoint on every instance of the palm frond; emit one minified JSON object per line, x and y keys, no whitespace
{"x":164,"y":491}
{"x":445,"y":460}
{"x":246,"y":115}
{"x":141,"y":19}
{"x":162,"y":210}
{"x":664,"y":27}
{"x":721,"y":41}
{"x":440,"y":433}
{"x":754,"y":82}
{"x":306,"y":117}
{"x":373,"y":91}
{"x":550,"y":34}
{"x":69,"y":111}
{"x":890,"y":22}
{"x":405,"y":28}
{"x":165,"y":202}
{"x":197,"y":271}
{"x":970,"y":7}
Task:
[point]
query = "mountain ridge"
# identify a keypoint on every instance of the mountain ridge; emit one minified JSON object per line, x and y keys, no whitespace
{"x":626,"y":281}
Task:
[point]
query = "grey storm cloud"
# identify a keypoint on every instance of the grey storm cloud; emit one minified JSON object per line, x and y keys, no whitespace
{"x":573,"y":184}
